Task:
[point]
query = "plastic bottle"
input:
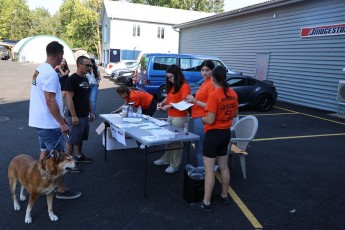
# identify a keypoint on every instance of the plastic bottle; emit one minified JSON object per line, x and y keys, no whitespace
{"x":139,"y":111}
{"x":189,"y":167}
{"x":130,"y":111}
{"x":185,"y":128}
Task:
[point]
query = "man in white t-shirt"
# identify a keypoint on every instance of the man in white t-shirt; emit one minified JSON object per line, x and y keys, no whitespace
{"x":45,"y":110}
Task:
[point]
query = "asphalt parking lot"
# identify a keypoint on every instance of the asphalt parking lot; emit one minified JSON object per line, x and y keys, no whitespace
{"x":295,"y":171}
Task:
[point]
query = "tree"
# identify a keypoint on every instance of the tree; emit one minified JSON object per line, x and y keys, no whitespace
{"x":216,"y":6}
{"x":80,"y":24}
{"x":15,"y":19}
{"x":43,"y":23}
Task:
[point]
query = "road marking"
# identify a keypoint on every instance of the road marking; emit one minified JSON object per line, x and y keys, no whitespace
{"x":321,"y":118}
{"x":269,"y":114}
{"x":242,"y":206}
{"x":297,"y":137}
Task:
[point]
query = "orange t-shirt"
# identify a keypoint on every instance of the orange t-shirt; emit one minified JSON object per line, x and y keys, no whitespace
{"x":224,"y":108}
{"x":176,"y":98}
{"x":140,"y":98}
{"x":202,"y":95}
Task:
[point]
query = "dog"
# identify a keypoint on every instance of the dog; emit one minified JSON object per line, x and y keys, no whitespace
{"x":38,"y":178}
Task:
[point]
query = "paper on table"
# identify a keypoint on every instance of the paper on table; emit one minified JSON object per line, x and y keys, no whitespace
{"x":182,"y":105}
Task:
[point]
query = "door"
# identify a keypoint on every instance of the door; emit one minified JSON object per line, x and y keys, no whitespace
{"x":262,"y":60}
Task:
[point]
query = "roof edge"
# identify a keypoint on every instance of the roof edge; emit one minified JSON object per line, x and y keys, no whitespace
{"x":237,"y":12}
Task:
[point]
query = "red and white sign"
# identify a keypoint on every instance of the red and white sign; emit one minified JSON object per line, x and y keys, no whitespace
{"x":338,"y":29}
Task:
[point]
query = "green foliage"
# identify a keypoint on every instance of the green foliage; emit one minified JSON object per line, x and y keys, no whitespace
{"x":216,"y":6}
{"x":15,"y":19}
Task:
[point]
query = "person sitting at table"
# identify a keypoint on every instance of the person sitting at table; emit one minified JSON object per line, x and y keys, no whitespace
{"x":177,"y":89}
{"x":143,"y":99}
{"x":221,"y":108}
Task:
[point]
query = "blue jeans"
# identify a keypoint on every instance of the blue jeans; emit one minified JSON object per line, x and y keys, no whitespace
{"x":50,"y":139}
{"x":199,"y":130}
{"x":93,"y":97}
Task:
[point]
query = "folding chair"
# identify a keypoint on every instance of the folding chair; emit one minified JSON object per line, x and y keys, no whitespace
{"x":244,"y":132}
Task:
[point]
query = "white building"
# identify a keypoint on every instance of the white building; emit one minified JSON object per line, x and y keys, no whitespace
{"x":129,"y":28}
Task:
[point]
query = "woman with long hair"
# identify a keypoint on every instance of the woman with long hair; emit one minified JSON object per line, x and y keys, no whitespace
{"x":198,"y":109}
{"x":63,"y":72}
{"x":177,"y":89}
{"x":221,"y":108}
{"x":94,"y":76}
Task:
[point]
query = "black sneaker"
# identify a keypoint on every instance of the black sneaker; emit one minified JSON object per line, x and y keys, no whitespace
{"x":201,"y":207}
{"x":225,"y":200}
{"x":82,"y":159}
{"x":75,"y":169}
{"x":67,"y":195}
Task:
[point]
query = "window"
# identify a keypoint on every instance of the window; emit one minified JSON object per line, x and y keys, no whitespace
{"x":237,"y":82}
{"x":136,"y":30}
{"x":162,"y":63}
{"x":185,"y":64}
{"x":160,"y":34}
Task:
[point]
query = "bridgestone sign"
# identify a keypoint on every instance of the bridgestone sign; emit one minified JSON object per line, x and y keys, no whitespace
{"x":323,"y":31}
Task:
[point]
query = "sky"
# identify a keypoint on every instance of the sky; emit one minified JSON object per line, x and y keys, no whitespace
{"x":53,"y":5}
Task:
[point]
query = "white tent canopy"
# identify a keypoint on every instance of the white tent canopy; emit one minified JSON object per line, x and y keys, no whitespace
{"x":33,"y":49}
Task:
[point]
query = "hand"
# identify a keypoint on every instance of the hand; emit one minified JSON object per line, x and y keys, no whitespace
{"x":190,"y":99}
{"x":92,"y":117}
{"x":64,"y":128}
{"x":75,"y":120}
{"x":159,"y":106}
{"x":166,"y":107}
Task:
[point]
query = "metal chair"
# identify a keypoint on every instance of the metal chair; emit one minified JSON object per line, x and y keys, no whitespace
{"x":244,"y":130}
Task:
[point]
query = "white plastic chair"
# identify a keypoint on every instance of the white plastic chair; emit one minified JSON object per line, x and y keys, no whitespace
{"x":244,"y":132}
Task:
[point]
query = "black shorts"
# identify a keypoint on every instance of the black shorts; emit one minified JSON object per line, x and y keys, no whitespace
{"x":216,"y":142}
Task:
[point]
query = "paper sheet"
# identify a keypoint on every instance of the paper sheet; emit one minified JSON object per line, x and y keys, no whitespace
{"x":182,"y":105}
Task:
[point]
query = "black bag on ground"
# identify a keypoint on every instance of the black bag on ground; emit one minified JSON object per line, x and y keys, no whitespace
{"x":193,"y":189}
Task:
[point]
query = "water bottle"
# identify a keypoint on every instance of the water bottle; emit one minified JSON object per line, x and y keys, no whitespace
{"x":185,"y":128}
{"x":130,"y":111}
{"x":139,"y":111}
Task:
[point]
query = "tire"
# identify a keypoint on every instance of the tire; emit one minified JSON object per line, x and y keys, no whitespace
{"x":159,"y":96}
{"x":130,"y":82}
{"x":264,"y":103}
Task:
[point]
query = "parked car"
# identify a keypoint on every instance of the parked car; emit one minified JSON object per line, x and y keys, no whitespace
{"x":261,"y":95}
{"x":120,"y":65}
{"x":123,"y":77}
{"x":152,"y":71}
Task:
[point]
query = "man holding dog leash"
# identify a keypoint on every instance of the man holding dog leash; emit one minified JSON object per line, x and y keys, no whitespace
{"x":45,"y":112}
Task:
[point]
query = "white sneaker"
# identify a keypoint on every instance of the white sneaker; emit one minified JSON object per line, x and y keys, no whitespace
{"x":171,"y":169}
{"x":160,"y":162}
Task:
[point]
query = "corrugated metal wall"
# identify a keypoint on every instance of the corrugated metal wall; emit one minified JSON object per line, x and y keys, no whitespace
{"x":306,"y":71}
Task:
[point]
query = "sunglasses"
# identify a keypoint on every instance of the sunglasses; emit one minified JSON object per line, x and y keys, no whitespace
{"x":87,"y":65}
{"x":170,"y":76}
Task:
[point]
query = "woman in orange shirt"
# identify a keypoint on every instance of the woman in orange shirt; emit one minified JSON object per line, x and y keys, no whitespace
{"x":198,"y":109}
{"x":177,"y":89}
{"x":221,"y":108}
{"x":143,"y":99}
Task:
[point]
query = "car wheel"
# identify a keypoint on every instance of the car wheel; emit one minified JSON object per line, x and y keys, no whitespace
{"x":160,"y":96}
{"x":264,"y":103}
{"x":130,"y":82}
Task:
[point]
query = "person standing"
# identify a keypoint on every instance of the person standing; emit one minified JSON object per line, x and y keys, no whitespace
{"x":94,"y":76}
{"x":63,"y":72}
{"x":221,"y":108}
{"x":177,"y":89}
{"x":45,"y":111}
{"x":80,"y":110}
{"x":143,"y":99}
{"x":198,"y":109}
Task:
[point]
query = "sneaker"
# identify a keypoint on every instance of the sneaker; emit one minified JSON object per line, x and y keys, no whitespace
{"x":171,"y":169}
{"x":160,"y":162}
{"x":82,"y":159}
{"x":225,"y":200}
{"x":201,"y":207}
{"x":67,"y":195}
{"x":75,"y":169}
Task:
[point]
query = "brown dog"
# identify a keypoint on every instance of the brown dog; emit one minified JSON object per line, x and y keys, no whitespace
{"x":38,"y":178}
